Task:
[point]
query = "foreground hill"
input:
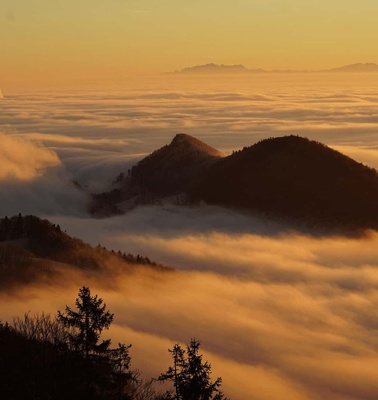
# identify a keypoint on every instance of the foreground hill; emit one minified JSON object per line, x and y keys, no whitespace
{"x":290,"y":178}
{"x":33,"y":249}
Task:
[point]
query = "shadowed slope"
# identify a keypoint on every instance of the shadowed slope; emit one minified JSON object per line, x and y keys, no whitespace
{"x":33,"y":249}
{"x":290,"y":178}
{"x":168,"y":171}
{"x":295,"y":178}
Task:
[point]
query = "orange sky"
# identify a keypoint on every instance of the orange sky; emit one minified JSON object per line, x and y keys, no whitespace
{"x":44,"y":39}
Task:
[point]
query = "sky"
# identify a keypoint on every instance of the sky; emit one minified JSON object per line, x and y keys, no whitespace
{"x":96,"y":39}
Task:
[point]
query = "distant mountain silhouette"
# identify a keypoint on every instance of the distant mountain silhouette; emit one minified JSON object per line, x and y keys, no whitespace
{"x":359,"y":67}
{"x":218,"y":69}
{"x":213,"y":69}
{"x":290,"y":178}
{"x":33,"y":249}
{"x":166,"y":172}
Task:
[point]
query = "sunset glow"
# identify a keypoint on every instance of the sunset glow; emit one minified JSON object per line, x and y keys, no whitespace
{"x":209,"y":170}
{"x":62,"y":40}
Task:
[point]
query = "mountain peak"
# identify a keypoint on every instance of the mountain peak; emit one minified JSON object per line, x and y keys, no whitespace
{"x":169,"y":169}
{"x":166,"y":172}
{"x":189,"y":143}
{"x":183,"y":136}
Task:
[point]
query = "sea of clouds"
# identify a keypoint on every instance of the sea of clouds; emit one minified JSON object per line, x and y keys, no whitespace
{"x":281,"y":314}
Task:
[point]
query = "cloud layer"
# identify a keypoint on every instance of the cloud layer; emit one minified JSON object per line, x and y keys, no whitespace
{"x":281,"y":315}
{"x":98,"y":132}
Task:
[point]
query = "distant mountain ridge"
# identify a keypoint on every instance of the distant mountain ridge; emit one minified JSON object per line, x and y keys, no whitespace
{"x":290,"y":178}
{"x":359,"y":67}
{"x":210,"y":69}
{"x":218,"y":69}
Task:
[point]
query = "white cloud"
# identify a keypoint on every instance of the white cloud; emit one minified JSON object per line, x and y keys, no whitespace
{"x":23,"y":160}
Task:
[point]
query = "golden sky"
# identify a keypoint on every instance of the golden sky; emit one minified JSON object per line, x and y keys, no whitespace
{"x":88,"y":38}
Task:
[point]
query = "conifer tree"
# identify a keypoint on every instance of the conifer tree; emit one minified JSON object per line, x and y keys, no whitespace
{"x":191,"y":376}
{"x":174,"y":373}
{"x":90,"y":319}
{"x":106,"y":371}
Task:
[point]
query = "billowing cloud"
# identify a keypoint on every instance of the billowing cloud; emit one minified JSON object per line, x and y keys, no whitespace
{"x":23,"y":160}
{"x":33,"y":180}
{"x":281,"y":314}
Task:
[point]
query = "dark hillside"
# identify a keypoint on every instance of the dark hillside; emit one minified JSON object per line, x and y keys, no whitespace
{"x":295,"y":178}
{"x":32,"y":249}
{"x":166,"y":172}
{"x":289,"y":178}
{"x":170,"y":169}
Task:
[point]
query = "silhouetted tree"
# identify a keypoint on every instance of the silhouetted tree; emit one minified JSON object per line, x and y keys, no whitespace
{"x":106,"y":371}
{"x":175,"y":372}
{"x":190,"y":375}
{"x":19,"y":226}
{"x":90,"y":319}
{"x":41,"y":327}
{"x":46,"y":358}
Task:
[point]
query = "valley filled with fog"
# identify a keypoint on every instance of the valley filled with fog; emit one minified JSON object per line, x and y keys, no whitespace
{"x":281,"y":313}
